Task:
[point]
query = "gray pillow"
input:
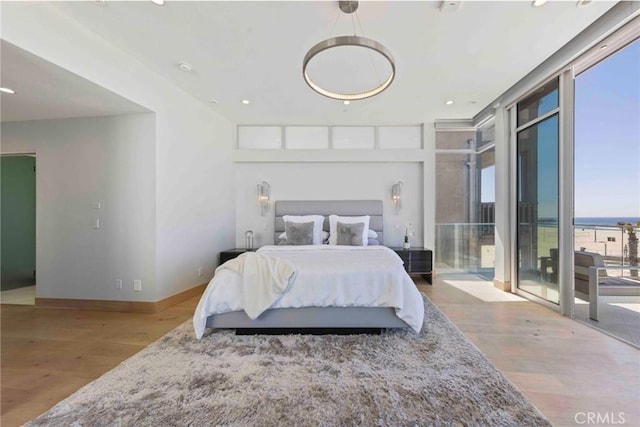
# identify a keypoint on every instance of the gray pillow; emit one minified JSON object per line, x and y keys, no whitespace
{"x":372,"y":242}
{"x":299,"y":233}
{"x":349,"y":234}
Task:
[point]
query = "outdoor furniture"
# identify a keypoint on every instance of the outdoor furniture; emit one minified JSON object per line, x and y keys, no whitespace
{"x":549,"y":266}
{"x":591,"y":280}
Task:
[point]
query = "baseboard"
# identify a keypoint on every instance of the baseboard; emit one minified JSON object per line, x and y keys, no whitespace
{"x":503,"y":286}
{"x":163,"y":304}
{"x":121,"y":306}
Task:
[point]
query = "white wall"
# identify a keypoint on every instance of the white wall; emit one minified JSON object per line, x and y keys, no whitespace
{"x":429,"y":218}
{"x":194,"y":201}
{"x":329,"y":181}
{"x":504,"y":175}
{"x":82,"y":162}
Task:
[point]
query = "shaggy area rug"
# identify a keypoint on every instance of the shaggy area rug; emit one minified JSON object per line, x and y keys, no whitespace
{"x":435,"y":378}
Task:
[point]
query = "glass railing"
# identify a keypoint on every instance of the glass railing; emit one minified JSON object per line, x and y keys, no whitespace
{"x":470,"y":248}
{"x":465,"y":248}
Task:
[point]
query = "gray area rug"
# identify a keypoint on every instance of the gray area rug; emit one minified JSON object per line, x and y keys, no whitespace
{"x":436,"y":378}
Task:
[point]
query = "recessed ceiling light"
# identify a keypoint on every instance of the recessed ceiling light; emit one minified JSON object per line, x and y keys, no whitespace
{"x":449,"y":102}
{"x":246,"y":102}
{"x":213,"y":101}
{"x":185,"y":66}
{"x":100,"y":2}
{"x":582,"y":3}
{"x":496,"y":105}
{"x":473,"y":102}
{"x":604,"y":46}
{"x":538,"y":3}
{"x":7,"y":90}
{"x":158,"y":2}
{"x":346,"y":102}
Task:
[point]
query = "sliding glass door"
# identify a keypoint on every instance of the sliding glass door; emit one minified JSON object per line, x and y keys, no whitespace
{"x":537,"y":140}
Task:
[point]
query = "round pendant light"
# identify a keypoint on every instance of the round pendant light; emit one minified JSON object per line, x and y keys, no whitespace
{"x":370,"y":54}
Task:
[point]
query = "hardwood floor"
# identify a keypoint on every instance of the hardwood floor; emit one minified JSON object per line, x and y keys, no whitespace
{"x":568,"y":370}
{"x":48,"y":353}
{"x":565,"y":368}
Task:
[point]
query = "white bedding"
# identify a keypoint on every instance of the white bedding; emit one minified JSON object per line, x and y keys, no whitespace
{"x":326,"y":275}
{"x":264,"y":278}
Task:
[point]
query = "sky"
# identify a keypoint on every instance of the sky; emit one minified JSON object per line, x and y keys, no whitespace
{"x":607,"y":137}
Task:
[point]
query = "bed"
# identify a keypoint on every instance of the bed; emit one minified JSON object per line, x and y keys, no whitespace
{"x":333,"y":287}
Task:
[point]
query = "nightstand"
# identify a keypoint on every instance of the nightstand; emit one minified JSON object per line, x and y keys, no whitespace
{"x":417,"y":261}
{"x":230,"y":254}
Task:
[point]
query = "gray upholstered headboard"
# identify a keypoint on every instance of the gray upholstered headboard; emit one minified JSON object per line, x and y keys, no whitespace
{"x":373,"y":208}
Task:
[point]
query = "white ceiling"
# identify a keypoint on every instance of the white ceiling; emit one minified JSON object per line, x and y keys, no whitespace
{"x":254,"y":50}
{"x":46,"y":91}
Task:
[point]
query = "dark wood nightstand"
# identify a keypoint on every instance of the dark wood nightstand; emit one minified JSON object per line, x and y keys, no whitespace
{"x":230,"y":254}
{"x":417,"y":261}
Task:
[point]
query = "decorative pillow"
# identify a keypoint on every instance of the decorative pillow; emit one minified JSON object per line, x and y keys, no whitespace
{"x":350,"y":234}
{"x":317,"y":225}
{"x":299,"y":233}
{"x":333,"y":227}
{"x":372,"y":234}
{"x":282,"y":238}
{"x":372,"y":242}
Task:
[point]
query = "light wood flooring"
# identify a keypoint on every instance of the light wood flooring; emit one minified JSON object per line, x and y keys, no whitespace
{"x":565,"y":368}
{"x":49,"y":353}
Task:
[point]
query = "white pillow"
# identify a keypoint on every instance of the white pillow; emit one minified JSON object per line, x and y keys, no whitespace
{"x":372,"y":234}
{"x":325,"y":236}
{"x":333,"y":226}
{"x":317,"y":224}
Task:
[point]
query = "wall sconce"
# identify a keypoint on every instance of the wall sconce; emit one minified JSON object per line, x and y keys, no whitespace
{"x":264,"y":191}
{"x":396,"y":195}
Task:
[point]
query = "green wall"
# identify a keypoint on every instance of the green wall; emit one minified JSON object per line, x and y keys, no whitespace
{"x":18,"y":218}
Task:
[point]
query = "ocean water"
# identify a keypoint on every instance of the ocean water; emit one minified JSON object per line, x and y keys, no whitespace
{"x":612,"y":221}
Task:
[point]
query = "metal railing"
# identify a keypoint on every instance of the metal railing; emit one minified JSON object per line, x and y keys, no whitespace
{"x":610,"y":241}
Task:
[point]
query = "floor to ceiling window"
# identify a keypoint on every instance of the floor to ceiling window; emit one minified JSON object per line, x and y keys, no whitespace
{"x":486,"y":195}
{"x":465,"y":201}
{"x":607,"y":182}
{"x":537,"y":143}
{"x":455,"y":173}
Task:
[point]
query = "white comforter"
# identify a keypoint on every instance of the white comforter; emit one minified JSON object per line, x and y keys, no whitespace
{"x":326,"y":275}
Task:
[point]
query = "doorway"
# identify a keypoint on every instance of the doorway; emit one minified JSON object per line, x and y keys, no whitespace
{"x":537,"y":238}
{"x":18,"y":228}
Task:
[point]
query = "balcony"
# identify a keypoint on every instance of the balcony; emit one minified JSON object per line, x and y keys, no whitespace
{"x":617,"y":315}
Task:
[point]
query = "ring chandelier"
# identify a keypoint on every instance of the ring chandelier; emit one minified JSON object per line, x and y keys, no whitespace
{"x":348,"y":7}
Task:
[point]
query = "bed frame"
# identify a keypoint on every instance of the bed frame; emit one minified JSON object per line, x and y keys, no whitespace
{"x":318,"y":317}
